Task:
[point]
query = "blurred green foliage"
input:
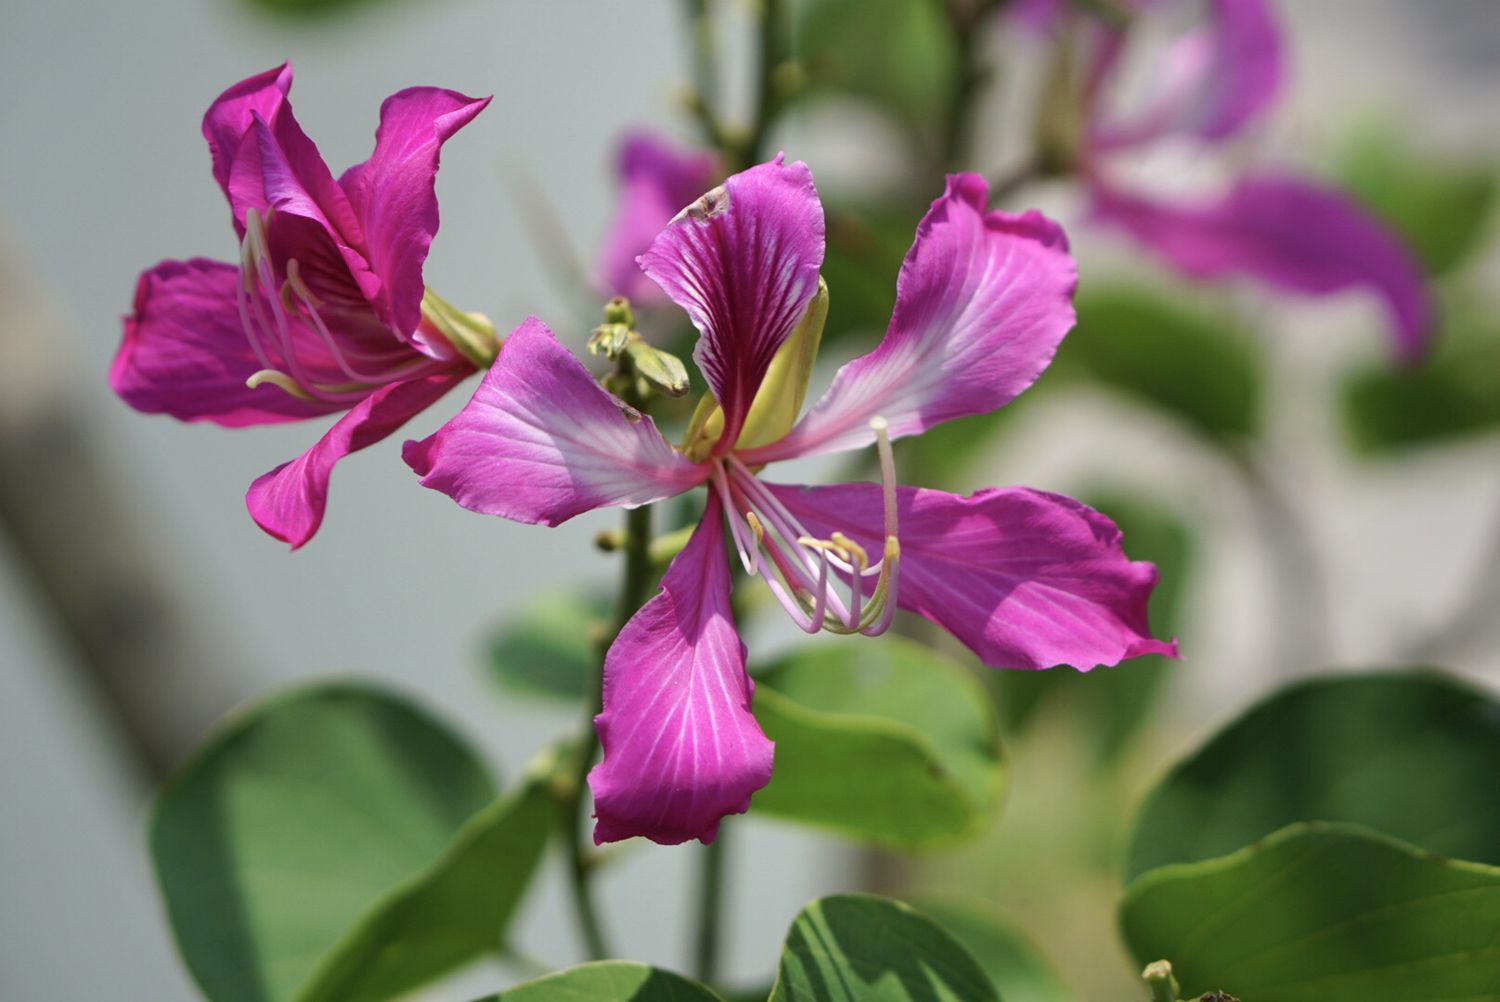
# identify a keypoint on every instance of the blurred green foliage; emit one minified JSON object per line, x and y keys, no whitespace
{"x":1332,"y":913}
{"x":1440,"y":206}
{"x":337,"y":843}
{"x":550,"y":649}
{"x":891,"y":744}
{"x":1155,"y":348}
{"x":1410,"y":754}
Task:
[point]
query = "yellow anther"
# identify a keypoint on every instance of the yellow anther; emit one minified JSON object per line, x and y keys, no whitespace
{"x":852,"y":548}
{"x":756,"y":527}
{"x":281,"y":381}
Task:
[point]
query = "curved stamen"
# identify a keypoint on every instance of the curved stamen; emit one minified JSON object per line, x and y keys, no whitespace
{"x":801,"y":562}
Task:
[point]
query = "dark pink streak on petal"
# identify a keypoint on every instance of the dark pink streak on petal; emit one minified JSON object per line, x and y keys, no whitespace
{"x":394,"y":194}
{"x":743,"y":262}
{"x":185,"y":353}
{"x":289,"y":501}
{"x":1294,"y":235}
{"x":1025,"y":578}
{"x":657,"y":180}
{"x":681,"y":747}
{"x":982,"y":302}
{"x":230,"y":115}
{"x":541,"y":441}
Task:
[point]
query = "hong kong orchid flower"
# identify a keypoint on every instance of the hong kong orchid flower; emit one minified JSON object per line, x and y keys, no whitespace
{"x":656,"y":179}
{"x":1025,"y":578}
{"x":326,"y":310}
{"x":1213,"y":82}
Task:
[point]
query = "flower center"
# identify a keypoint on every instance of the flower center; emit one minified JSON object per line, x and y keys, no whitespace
{"x":304,"y":360}
{"x":805,"y":572}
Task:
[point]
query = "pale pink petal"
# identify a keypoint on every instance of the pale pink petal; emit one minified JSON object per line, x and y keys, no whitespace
{"x":185,"y":352}
{"x":681,"y":747}
{"x":1294,"y":235}
{"x":394,"y":194}
{"x":657,"y":180}
{"x":1210,"y":82}
{"x":289,"y":501}
{"x":541,"y":441}
{"x":1025,"y":578}
{"x":743,"y":262}
{"x":229,"y":117}
{"x":982,"y":301}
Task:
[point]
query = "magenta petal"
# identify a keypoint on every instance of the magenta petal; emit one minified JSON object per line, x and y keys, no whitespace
{"x":289,"y":501}
{"x":982,"y":302}
{"x":1294,"y":235}
{"x":541,"y":441}
{"x":656,"y":181}
{"x":1025,"y":578}
{"x":185,"y":353}
{"x":1212,"y":80}
{"x":231,"y":114}
{"x":681,"y":747}
{"x":394,"y":195}
{"x":743,"y":262}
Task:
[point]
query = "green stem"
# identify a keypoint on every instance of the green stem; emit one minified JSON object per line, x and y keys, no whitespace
{"x":710,"y":909}
{"x":958,"y":124}
{"x":635,"y":588}
{"x":767,"y":99}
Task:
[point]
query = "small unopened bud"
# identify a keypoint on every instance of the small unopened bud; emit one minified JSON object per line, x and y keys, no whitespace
{"x":618,"y":311}
{"x":1159,"y":978}
{"x":609,"y":541}
{"x":609,"y":340}
{"x":664,"y":371}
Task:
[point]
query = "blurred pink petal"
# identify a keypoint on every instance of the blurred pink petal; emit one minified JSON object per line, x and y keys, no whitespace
{"x":657,"y":181}
{"x":1292,"y":234}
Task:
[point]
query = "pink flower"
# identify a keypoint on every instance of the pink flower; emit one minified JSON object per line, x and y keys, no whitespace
{"x":326,"y":311}
{"x":1212,"y":82}
{"x":1026,"y":579}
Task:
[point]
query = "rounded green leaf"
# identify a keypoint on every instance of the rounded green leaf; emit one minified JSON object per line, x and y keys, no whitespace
{"x":550,"y":649}
{"x":861,"y":948}
{"x":303,"y":851}
{"x":1412,"y":754}
{"x":1441,"y":207}
{"x":608,"y":981}
{"x":1012,"y":964}
{"x":1451,"y":395}
{"x":888,"y":742}
{"x":1323,"y":913}
{"x":1193,"y":365}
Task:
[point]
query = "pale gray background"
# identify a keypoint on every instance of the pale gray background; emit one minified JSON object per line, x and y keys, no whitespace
{"x":102,"y":172}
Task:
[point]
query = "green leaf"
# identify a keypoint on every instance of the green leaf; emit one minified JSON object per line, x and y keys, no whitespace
{"x":312,"y":9}
{"x":1011,"y":963}
{"x":899,"y":53}
{"x":549,"y":650}
{"x":1441,"y":207}
{"x":1116,"y":701}
{"x":1190,"y":364}
{"x":307,"y":850}
{"x":1323,"y":913}
{"x":1453,"y":394}
{"x":888,"y":743}
{"x":1410,"y":754}
{"x":608,"y":981}
{"x":860,"y":948}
